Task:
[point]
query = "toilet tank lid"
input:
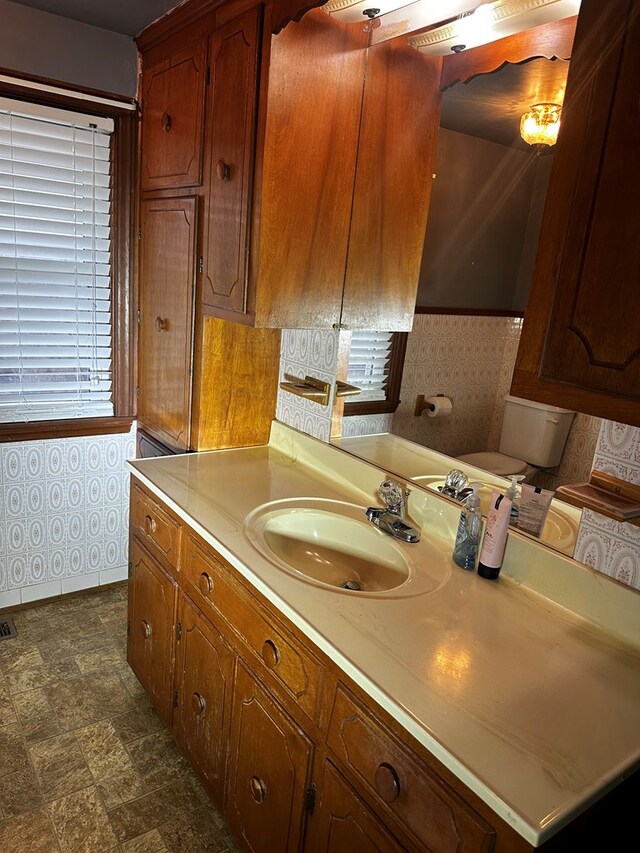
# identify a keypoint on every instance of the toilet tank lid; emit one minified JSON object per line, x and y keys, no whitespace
{"x":535,"y":405}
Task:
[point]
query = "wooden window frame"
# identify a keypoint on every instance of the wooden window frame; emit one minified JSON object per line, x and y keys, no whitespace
{"x":396,"y":365}
{"x":123,"y":170}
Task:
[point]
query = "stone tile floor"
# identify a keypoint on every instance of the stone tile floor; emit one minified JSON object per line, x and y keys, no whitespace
{"x":86,"y":765}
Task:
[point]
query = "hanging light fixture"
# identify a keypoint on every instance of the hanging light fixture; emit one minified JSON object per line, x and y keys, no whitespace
{"x":541,"y":124}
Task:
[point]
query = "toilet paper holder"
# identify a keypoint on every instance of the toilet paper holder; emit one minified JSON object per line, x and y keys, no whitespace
{"x":425,"y":404}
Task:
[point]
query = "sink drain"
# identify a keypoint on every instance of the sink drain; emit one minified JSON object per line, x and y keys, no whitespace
{"x":354,"y":585}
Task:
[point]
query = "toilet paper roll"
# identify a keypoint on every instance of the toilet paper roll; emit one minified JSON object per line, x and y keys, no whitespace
{"x":439,"y":407}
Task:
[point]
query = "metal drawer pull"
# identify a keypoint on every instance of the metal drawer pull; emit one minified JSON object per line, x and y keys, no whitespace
{"x":146,"y":629}
{"x":270,"y":654}
{"x":387,"y":783}
{"x":161,"y":325}
{"x":198,"y":705}
{"x":167,"y":121}
{"x":149,"y":524}
{"x":258,"y":789}
{"x":205,"y":583}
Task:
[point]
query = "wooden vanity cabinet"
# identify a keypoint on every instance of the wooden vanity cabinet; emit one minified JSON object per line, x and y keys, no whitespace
{"x":202,"y":696}
{"x":579,"y":346}
{"x":151,"y":621}
{"x":269,"y":770}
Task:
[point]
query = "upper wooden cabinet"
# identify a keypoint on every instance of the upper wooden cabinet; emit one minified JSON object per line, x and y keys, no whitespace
{"x":231,"y":119}
{"x":172,"y":120}
{"x":580,"y":343}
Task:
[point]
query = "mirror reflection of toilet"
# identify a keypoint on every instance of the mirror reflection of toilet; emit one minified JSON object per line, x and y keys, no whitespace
{"x":533,"y":436}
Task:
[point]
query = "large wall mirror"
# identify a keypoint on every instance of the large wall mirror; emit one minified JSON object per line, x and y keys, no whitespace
{"x":482,"y":233}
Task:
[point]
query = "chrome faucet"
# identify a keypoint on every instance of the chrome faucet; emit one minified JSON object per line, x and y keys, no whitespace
{"x":392,"y":519}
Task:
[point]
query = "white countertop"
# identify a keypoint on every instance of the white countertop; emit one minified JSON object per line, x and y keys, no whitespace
{"x":534,"y":706}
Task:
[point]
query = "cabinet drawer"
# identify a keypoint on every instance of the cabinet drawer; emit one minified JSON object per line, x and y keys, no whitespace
{"x":160,"y":533}
{"x":401,"y":784}
{"x":293,"y":669}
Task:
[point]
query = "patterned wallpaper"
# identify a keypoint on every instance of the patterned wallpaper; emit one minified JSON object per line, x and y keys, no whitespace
{"x":469,"y":359}
{"x":610,"y":546}
{"x":366,"y":425}
{"x":314,"y":353}
{"x":65,"y":515}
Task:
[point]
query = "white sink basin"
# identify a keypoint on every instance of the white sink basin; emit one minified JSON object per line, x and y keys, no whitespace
{"x":559,"y":531}
{"x":332,"y":544}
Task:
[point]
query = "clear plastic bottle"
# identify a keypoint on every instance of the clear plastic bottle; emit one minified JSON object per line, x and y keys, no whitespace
{"x":513,"y":493}
{"x":465,"y":550}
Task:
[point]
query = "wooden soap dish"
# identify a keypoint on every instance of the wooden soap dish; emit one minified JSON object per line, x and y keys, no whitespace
{"x":605,"y":494}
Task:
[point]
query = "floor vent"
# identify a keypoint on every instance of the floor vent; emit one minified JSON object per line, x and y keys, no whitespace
{"x":7,"y":629}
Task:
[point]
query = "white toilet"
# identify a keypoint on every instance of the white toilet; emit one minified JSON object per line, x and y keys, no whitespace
{"x":533,"y":436}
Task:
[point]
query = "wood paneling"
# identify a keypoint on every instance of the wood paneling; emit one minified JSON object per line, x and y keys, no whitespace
{"x":231,"y":116}
{"x":306,"y":171}
{"x":167,"y":275}
{"x":398,"y":137}
{"x":551,"y":40}
{"x":236,"y":385}
{"x":172,"y":120}
{"x":579,"y":346}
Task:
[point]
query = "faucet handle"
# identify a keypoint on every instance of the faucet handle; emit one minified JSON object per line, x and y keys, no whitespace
{"x":392,"y":494}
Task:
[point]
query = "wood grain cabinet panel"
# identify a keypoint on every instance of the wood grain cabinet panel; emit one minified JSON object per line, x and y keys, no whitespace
{"x":152,"y":600}
{"x":341,"y":822}
{"x":158,"y":531}
{"x":231,"y":118}
{"x":204,"y":673}
{"x":397,"y":782}
{"x":172,"y":120}
{"x":165,"y":343}
{"x":269,"y":770}
{"x":580,"y":343}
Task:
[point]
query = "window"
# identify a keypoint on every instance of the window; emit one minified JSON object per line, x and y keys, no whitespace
{"x":376,"y":360}
{"x":64,"y":338}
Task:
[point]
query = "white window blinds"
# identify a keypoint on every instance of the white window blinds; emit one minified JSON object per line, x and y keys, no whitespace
{"x":369,"y":364}
{"x":55,"y":264}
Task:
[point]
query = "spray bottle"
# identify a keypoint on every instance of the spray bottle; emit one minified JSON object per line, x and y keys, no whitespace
{"x":513,"y":493}
{"x":465,"y":549}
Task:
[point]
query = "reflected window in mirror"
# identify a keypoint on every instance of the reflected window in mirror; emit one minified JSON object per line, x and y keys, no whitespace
{"x":376,"y":361}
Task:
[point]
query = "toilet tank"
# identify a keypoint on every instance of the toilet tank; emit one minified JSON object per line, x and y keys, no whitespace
{"x":534,"y":432}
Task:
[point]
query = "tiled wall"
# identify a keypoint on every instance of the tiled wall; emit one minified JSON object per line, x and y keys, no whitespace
{"x":467,"y":358}
{"x":610,"y":546}
{"x":366,"y":425}
{"x":64,"y":519}
{"x":314,"y":353}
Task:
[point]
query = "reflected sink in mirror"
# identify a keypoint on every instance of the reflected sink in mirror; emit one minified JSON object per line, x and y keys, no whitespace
{"x":559,"y":531}
{"x":333,"y":545}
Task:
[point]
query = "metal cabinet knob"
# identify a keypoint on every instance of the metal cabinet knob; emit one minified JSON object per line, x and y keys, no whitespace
{"x":161,"y":325}
{"x":150,"y":524}
{"x":166,"y":121}
{"x":145,"y":629}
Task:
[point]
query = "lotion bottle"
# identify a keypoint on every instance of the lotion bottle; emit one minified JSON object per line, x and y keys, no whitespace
{"x":495,"y":537}
{"x":465,"y":549}
{"x":513,"y":493}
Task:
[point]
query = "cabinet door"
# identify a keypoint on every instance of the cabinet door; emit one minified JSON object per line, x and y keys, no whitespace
{"x":172,"y":120}
{"x":152,"y":596}
{"x":231,"y":117}
{"x":167,"y":275}
{"x":268,"y":770}
{"x":342,"y":822}
{"x":396,"y":156}
{"x":580,"y":343}
{"x":204,"y":670}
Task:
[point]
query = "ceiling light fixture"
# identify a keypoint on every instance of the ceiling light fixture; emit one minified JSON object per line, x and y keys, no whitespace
{"x":541,"y":124}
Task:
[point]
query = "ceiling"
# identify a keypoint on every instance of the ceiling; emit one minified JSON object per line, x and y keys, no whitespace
{"x":128,"y":17}
{"x":490,"y":106}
